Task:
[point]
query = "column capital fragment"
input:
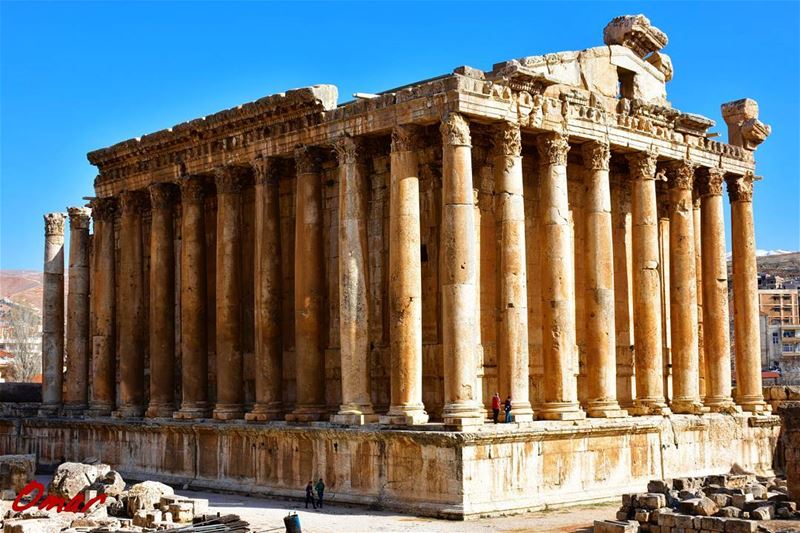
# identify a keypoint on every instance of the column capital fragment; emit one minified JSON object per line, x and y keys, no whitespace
{"x":132,"y":202}
{"x":228,"y":180}
{"x":553,"y":148}
{"x":507,"y":139}
{"x":162,"y":195}
{"x":79,"y":217}
{"x":104,"y":208}
{"x":680,"y":174}
{"x":193,"y":189}
{"x":306,"y":159}
{"x":455,"y":130}
{"x":267,"y":169}
{"x":405,"y":138}
{"x":709,"y":181}
{"x":643,"y":164}
{"x":740,"y":188}
{"x":54,"y":223}
{"x":347,"y":149}
{"x":596,"y":155}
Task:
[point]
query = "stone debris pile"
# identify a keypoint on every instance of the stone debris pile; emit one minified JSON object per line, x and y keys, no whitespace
{"x":68,"y":504}
{"x":727,"y":503}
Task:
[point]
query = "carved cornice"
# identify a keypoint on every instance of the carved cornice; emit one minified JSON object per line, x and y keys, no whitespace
{"x":455,"y":130}
{"x":740,"y":188}
{"x":709,"y":181}
{"x":643,"y":165}
{"x":79,"y":217}
{"x":104,"y":208}
{"x":267,"y":170}
{"x":133,"y":202}
{"x":193,"y":189}
{"x":228,"y":180}
{"x":680,"y":174}
{"x":347,"y":149}
{"x":405,"y":138}
{"x":306,"y":159}
{"x":596,"y":155}
{"x":54,"y":224}
{"x":162,"y":195}
{"x":553,"y":148}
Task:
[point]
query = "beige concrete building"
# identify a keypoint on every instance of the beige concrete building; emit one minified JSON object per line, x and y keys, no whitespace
{"x":781,"y":306}
{"x":296,"y":287}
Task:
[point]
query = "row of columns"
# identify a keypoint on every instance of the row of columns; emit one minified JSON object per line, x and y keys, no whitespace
{"x":459,"y":267}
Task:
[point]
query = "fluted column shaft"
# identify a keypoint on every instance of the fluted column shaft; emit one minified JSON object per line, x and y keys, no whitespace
{"x":131,"y":316}
{"x":646,"y":287}
{"x":53,"y":314}
{"x":309,"y":269}
{"x":558,"y":284}
{"x":683,"y":291}
{"x":76,"y":393}
{"x":745,"y":295}
{"x":513,"y":357}
{"x":601,"y":342}
{"x":230,"y":373}
{"x":162,"y":302}
{"x":459,"y":276}
{"x":716,"y":320}
{"x":193,"y":294}
{"x":267,"y":305}
{"x":103,"y":290}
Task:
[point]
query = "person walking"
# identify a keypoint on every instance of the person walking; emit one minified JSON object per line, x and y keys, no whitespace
{"x":320,"y":486}
{"x":310,"y":495}
{"x":495,"y":406}
{"x":508,"y":409}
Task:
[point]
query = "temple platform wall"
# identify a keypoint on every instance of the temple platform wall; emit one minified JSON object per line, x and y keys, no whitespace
{"x":494,"y":470}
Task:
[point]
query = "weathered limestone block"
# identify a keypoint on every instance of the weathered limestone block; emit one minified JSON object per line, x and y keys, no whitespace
{"x":635,"y":32}
{"x":616,"y":526}
{"x":744,"y":128}
{"x":70,"y":479}
{"x":16,"y":471}
{"x":182,"y":512}
{"x":146,"y":495}
{"x":36,"y":525}
{"x":111,"y":484}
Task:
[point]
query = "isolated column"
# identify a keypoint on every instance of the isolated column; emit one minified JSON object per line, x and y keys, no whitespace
{"x":193,"y":293}
{"x":513,"y":357}
{"x":716,"y":321}
{"x":53,"y":314}
{"x":683,"y":291}
{"x":131,"y":316}
{"x":459,"y":276}
{"x":646,"y":287}
{"x":230,"y":374}
{"x":745,"y":295}
{"x":601,"y":346}
{"x":309,"y":271}
{"x":162,"y":301}
{"x":103,"y":304}
{"x":267,"y":269}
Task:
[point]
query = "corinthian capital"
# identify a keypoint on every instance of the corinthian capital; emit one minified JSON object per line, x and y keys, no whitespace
{"x":643,"y":164}
{"x":132,"y":202}
{"x":455,"y":130}
{"x":103,"y":208}
{"x":740,"y":188}
{"x":162,"y":195}
{"x":553,"y":148}
{"x":54,"y":224}
{"x":596,"y":155}
{"x":508,"y":140}
{"x":79,"y":217}
{"x":347,"y":149}
{"x":193,"y":189}
{"x":267,"y":169}
{"x":405,"y":138}
{"x":680,"y":174}
{"x":306,"y":159}
{"x":228,"y":180}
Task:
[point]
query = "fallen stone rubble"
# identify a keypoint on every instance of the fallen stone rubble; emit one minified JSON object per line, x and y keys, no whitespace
{"x":728,"y":503}
{"x":142,"y":507}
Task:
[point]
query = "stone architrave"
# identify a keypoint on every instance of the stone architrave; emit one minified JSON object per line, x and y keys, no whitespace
{"x":76,"y":395}
{"x":646,"y":287}
{"x":558,"y":285}
{"x":53,"y":315}
{"x":745,"y":295}
{"x":716,"y":322}
{"x":162,"y":301}
{"x":513,"y":355}
{"x":683,"y":291}
{"x":601,"y":342}
{"x":267,"y":304}
{"x":356,"y":407}
{"x":193,"y":293}
{"x":309,"y":272}
{"x":230,"y":365}
{"x":459,"y":276}
{"x":103,"y":305}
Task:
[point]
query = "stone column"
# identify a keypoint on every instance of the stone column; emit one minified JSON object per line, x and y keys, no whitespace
{"x":356,"y":407}
{"x":162,"y":302}
{"x":405,"y":282}
{"x":230,"y":372}
{"x":683,"y":291}
{"x":309,"y":272}
{"x":558,"y":285}
{"x":131,"y":317}
{"x":77,"y":375}
{"x":513,"y":357}
{"x":103,"y":302}
{"x":646,"y":287}
{"x":745,"y":295}
{"x":459,"y":276}
{"x":267,"y":305}
{"x":193,"y":293}
{"x":53,"y":315}
{"x":715,"y":293}
{"x":698,"y":267}
{"x":601,"y":342}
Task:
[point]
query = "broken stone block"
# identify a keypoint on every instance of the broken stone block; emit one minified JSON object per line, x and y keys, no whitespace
{"x":704,"y":507}
{"x":651,"y":501}
{"x":70,"y":479}
{"x":783,"y":512}
{"x":755,"y":504}
{"x":616,"y":526}
{"x":721,"y":500}
{"x":642,"y":516}
{"x":739,"y":500}
{"x":759,"y":492}
{"x":91,"y":522}
{"x":791,"y":506}
{"x":658,"y":485}
{"x":684,"y":521}
{"x":763,"y":513}
{"x":34,"y":525}
{"x":16,"y":471}
{"x":730,"y":512}
{"x":182,"y":512}
{"x":146,"y":495}
{"x":656,"y":514}
{"x":623,"y":515}
{"x":199,"y":505}
{"x":740,"y":526}
{"x":687,"y":483}
{"x":111,"y":484}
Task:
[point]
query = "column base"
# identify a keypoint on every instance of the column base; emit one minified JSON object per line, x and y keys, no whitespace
{"x":128,"y":411}
{"x":74,"y":410}
{"x":228,"y":411}
{"x":354,"y":419}
{"x":192,"y":411}
{"x":521,"y":412}
{"x":50,"y":410}
{"x":462,"y":415}
{"x":162,"y":410}
{"x":404,"y":416}
{"x":649,"y":407}
{"x":99,"y":410}
{"x":308,"y":413}
{"x":722,"y":405}
{"x":754,"y":404}
{"x":604,"y":409}
{"x":560,"y":411}
{"x":265,"y":412}
{"x":688,"y":406}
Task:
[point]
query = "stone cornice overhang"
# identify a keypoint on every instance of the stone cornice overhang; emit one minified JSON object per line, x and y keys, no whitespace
{"x":259,"y":129}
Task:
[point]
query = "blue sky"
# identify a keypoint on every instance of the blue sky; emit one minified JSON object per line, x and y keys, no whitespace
{"x":79,"y":76}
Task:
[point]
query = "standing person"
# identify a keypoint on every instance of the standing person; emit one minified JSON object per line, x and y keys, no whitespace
{"x":310,"y":495}
{"x":495,"y":406}
{"x":320,"y":486}
{"x":508,"y":409}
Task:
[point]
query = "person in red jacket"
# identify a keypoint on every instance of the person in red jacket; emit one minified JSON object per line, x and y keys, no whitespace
{"x":495,"y":406}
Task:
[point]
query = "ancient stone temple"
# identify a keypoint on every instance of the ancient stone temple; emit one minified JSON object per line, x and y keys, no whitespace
{"x":298,"y":288}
